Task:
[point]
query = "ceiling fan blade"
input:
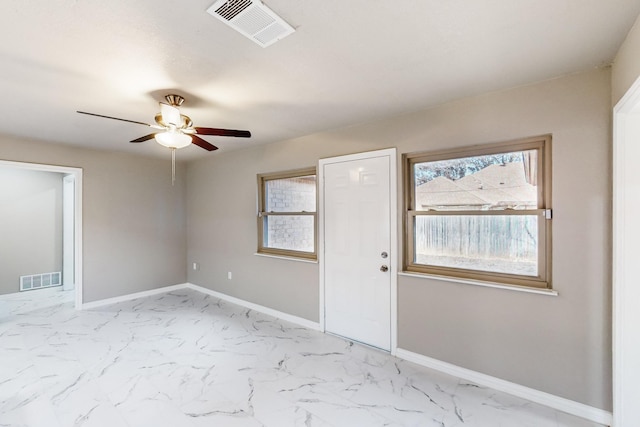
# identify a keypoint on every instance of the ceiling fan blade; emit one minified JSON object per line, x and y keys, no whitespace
{"x":114,"y":118}
{"x":202,"y":143}
{"x":224,"y":132}
{"x":170,"y":115}
{"x":144,"y":138}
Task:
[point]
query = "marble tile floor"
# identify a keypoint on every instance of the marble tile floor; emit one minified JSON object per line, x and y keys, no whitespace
{"x":186,"y":359}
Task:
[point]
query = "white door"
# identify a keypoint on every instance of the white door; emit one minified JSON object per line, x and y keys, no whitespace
{"x":357,"y":248}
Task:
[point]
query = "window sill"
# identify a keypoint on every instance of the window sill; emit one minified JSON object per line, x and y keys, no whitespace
{"x":288,"y":258}
{"x":548,"y":292}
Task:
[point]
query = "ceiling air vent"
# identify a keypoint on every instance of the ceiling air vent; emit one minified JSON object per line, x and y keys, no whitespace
{"x":253,"y":19}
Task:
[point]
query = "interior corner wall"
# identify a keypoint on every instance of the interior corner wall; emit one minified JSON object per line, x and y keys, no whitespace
{"x":626,"y":66}
{"x":134,"y":223}
{"x":560,"y":345}
{"x":30,"y":225}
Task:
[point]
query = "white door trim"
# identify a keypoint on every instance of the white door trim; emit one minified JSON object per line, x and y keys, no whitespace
{"x":77,"y":173}
{"x":626,"y":291}
{"x":68,"y":231}
{"x":393,"y":218}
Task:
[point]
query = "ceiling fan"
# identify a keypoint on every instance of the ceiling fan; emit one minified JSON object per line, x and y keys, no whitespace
{"x":176,"y":130}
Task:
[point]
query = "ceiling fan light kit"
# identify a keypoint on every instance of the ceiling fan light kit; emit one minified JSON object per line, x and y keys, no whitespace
{"x":177,"y":130}
{"x":173,"y":139}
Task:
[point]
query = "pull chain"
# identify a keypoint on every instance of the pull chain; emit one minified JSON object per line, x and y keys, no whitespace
{"x":173,"y":166}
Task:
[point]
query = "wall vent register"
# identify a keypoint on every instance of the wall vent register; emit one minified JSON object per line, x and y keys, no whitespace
{"x":39,"y":281}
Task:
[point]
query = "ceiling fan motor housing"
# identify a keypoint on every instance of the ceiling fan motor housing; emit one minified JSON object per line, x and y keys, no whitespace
{"x":185,"y":123}
{"x":174,"y":100}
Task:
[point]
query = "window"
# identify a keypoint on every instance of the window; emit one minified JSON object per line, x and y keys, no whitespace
{"x":287,"y":213}
{"x":481,"y":212}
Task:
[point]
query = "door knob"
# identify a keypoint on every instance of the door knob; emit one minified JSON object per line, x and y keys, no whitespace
{"x":384,"y":268}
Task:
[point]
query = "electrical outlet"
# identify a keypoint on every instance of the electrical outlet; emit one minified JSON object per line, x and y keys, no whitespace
{"x":196,"y":266}
{"x":229,"y":275}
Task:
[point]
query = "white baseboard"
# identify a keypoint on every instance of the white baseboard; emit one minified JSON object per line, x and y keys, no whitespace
{"x":129,"y":297}
{"x":262,"y":309}
{"x":561,"y":404}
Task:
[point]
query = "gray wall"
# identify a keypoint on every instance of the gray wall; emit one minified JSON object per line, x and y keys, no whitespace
{"x":560,"y":345}
{"x":30,"y":225}
{"x":134,"y":223}
{"x":626,"y":66}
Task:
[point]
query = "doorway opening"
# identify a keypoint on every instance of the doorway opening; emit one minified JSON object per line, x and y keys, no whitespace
{"x":71,"y":222}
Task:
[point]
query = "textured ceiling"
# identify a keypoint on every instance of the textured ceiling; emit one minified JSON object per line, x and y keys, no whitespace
{"x":349,"y":61}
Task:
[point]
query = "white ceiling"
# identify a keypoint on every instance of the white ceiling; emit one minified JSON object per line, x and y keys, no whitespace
{"x":349,"y":61}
